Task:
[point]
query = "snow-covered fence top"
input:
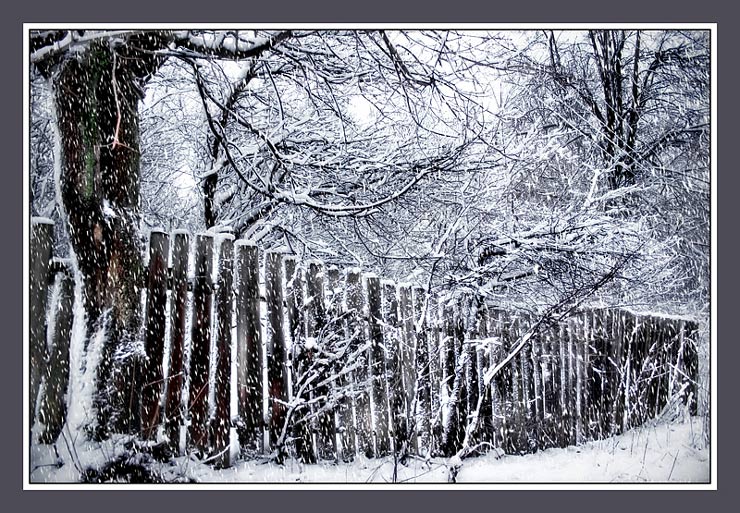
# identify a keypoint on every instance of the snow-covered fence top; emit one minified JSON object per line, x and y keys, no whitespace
{"x":329,"y":364}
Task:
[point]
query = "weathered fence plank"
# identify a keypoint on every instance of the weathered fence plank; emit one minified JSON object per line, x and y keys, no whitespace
{"x":345,"y":423}
{"x":354,"y":298}
{"x":470,"y":367}
{"x":378,"y":367}
{"x":435,"y":372}
{"x":575,"y":330}
{"x":423,"y":387}
{"x":42,"y":236}
{"x":221,"y":426}
{"x":53,"y":409}
{"x":485,"y":420}
{"x":334,"y":314}
{"x":408,"y":340}
{"x":156,"y":320}
{"x":277,"y":372}
{"x":249,"y":357}
{"x":294,"y":311}
{"x":173,"y":409}
{"x":538,"y":356}
{"x":200,"y":342}
{"x":315,"y":325}
{"x":451,"y":378}
{"x":393,"y":341}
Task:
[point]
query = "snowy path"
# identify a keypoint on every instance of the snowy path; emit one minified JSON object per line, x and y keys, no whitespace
{"x":666,"y":452}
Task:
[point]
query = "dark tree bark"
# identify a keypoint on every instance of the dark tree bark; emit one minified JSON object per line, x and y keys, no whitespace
{"x":96,"y":98}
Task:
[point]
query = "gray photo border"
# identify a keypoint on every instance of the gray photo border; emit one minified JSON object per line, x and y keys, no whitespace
{"x":380,"y":11}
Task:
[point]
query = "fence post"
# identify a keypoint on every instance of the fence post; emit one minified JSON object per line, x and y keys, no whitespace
{"x":570,"y":377}
{"x":435,"y":372}
{"x":497,"y":384}
{"x":470,"y":366}
{"x":587,"y":371}
{"x":174,"y":412}
{"x":42,"y":235}
{"x":53,"y":408}
{"x":156,"y":306}
{"x":393,"y":341}
{"x":483,"y":358}
{"x":621,"y":393}
{"x":575,"y":329}
{"x":354,"y":297}
{"x":315,"y":324}
{"x":423,"y":394}
{"x":200,"y":342}
{"x":565,"y":386}
{"x":249,"y":357}
{"x":406,"y":320}
{"x":344,"y":417}
{"x":222,"y":382}
{"x":691,"y":365}
{"x":615,"y":374}
{"x":538,"y":359}
{"x":633,"y":328}
{"x":377,"y":366}
{"x":450,"y":396}
{"x":552,"y":384}
{"x":294,"y":311}
{"x":514,"y":428}
{"x":596,"y":351}
{"x":277,"y":372}
{"x":334,"y":312}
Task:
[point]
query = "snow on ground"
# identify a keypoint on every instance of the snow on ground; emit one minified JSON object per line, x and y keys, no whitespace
{"x":652,"y":453}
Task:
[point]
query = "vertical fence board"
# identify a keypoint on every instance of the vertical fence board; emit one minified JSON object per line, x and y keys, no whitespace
{"x":377,"y":367}
{"x":483,"y":361}
{"x":156,"y":306}
{"x":249,"y":379}
{"x":393,"y":341}
{"x":495,"y":349}
{"x":571,"y":371}
{"x":42,"y":236}
{"x":354,"y":298}
{"x":435,"y":372}
{"x":222,"y":381}
{"x":459,"y":392}
{"x":300,"y":360}
{"x":345,"y":417}
{"x":335,"y":312}
{"x":450,"y":415}
{"x":576,"y":329}
{"x":691,"y":364}
{"x":173,"y":409}
{"x":277,"y":372}
{"x":537,"y":353}
{"x":408,"y":337}
{"x":423,"y":391}
{"x":470,"y":368}
{"x":315,"y":326}
{"x":557,"y":333}
{"x":200,"y":343}
{"x":53,"y":409}
{"x":565,"y":386}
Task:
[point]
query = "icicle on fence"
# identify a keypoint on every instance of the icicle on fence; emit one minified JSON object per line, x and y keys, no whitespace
{"x":353,"y":364}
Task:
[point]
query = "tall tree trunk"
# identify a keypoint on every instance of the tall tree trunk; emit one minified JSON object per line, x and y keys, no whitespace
{"x":96,"y":97}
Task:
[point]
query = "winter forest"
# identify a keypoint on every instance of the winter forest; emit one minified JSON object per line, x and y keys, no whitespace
{"x":368,"y":256}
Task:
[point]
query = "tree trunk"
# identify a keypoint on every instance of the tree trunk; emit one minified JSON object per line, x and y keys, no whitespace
{"x":96,"y":97}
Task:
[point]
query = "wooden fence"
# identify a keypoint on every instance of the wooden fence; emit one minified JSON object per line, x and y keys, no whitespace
{"x":330,"y":364}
